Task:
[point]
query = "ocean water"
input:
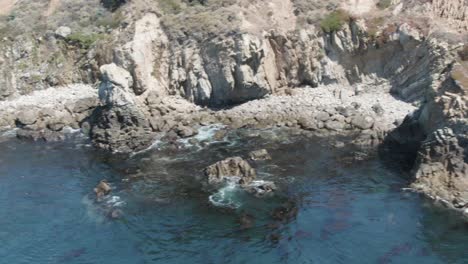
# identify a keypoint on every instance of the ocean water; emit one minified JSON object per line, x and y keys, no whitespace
{"x":343,"y":205}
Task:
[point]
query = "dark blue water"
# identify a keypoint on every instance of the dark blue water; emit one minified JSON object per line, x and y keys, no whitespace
{"x":350,"y":207}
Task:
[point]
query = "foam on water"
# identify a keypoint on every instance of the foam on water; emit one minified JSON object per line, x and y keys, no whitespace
{"x":227,"y":195}
{"x":114,"y":201}
{"x":155,"y":145}
{"x":70,"y":130}
{"x":9,"y":133}
{"x":205,"y":133}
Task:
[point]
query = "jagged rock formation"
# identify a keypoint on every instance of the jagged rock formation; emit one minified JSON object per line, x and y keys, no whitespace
{"x":119,"y":125}
{"x":230,"y":167}
{"x":441,"y":168}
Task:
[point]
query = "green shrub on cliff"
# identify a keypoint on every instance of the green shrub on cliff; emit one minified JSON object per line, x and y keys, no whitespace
{"x":334,"y":21}
{"x":83,"y":40}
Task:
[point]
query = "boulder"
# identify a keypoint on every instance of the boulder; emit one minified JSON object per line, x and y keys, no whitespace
{"x":185,"y":131}
{"x":334,"y":125}
{"x":219,"y":135}
{"x":27,"y":117}
{"x":362,"y":122}
{"x":63,"y":32}
{"x":261,"y":154}
{"x":230,"y":167}
{"x":102,"y":189}
{"x":307,"y":124}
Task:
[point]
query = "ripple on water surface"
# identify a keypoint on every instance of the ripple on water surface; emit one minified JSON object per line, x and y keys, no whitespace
{"x":334,"y":205}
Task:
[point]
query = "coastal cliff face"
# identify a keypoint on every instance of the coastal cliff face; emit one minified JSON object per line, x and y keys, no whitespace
{"x":357,"y":67}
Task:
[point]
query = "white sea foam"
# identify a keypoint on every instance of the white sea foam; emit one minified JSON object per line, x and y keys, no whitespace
{"x":115,"y":201}
{"x":226,"y":196}
{"x":70,"y":130}
{"x":9,"y":133}
{"x":155,"y":145}
{"x":205,"y":133}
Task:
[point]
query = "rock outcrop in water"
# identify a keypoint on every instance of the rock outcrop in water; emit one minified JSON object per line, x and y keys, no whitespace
{"x":230,"y":167}
{"x":441,"y":169}
{"x":261,"y":154}
{"x":102,"y":189}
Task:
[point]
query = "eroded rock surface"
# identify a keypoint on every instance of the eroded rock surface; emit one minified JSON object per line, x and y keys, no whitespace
{"x":230,"y":167}
{"x":119,"y":125}
{"x":441,"y":169}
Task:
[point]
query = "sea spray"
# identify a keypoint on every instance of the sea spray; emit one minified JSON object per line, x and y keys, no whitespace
{"x":226,"y":196}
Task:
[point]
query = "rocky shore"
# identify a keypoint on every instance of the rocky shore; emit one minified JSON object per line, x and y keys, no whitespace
{"x":45,"y":113}
{"x":383,"y":79}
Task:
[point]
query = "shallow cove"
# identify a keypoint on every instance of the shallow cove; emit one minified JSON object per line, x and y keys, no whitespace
{"x":351,"y":208}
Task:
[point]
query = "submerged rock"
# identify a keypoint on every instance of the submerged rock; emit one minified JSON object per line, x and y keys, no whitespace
{"x":261,"y":154}
{"x":115,"y":214}
{"x":230,"y":167}
{"x":285,"y":212}
{"x":246,"y":221}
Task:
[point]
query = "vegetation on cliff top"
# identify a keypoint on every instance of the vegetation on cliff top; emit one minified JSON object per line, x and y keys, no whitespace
{"x":334,"y":21}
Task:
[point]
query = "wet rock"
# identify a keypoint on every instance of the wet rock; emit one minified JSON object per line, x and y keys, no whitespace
{"x":322,"y":116}
{"x":230,"y":167}
{"x":36,"y":135}
{"x":219,"y":135}
{"x":102,"y":189}
{"x":185,"y":131}
{"x":193,"y":141}
{"x":261,"y":188}
{"x":261,"y":154}
{"x":338,"y":144}
{"x":170,"y":136}
{"x":56,"y":126}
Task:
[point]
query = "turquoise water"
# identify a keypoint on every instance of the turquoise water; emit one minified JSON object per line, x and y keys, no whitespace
{"x":346,"y":206}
